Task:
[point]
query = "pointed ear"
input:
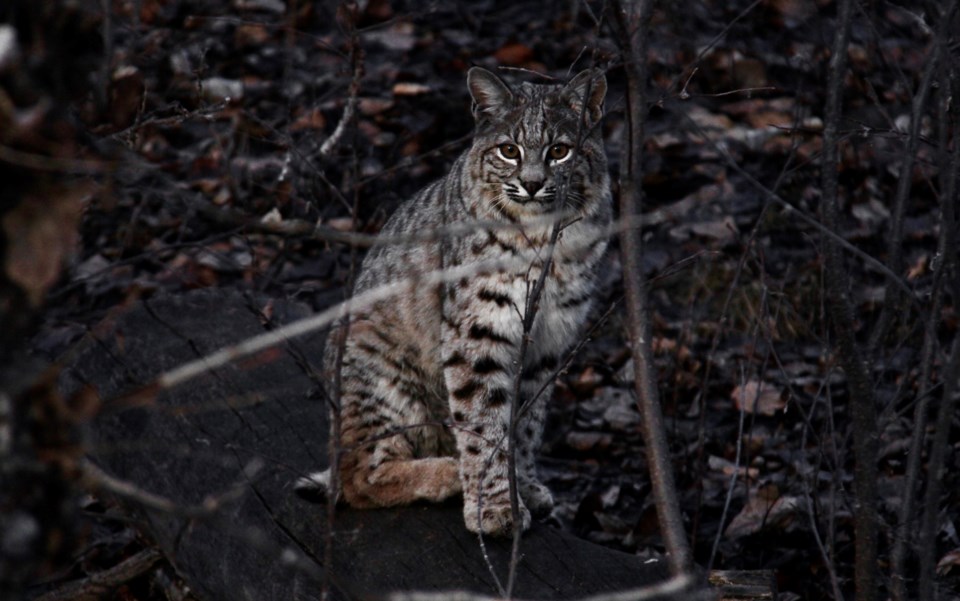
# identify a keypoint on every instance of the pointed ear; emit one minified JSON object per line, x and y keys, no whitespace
{"x":488,"y":91}
{"x":588,"y":87}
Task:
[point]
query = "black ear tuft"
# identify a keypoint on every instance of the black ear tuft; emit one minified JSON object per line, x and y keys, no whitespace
{"x":488,"y":91}
{"x":589,"y":86}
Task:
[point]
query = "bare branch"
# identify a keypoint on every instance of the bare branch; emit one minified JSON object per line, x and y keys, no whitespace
{"x":936,"y":468}
{"x":630,"y":30}
{"x":905,"y":180}
{"x":862,"y":402}
{"x":904,"y":538}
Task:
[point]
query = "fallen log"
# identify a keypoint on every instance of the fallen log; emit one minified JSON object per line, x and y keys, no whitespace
{"x":209,"y":466}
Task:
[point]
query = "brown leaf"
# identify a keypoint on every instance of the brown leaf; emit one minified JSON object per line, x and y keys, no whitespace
{"x":341,"y":224}
{"x":400,"y":37}
{"x":727,"y":468}
{"x":793,"y":11}
{"x":41,"y":233}
{"x":587,"y":382}
{"x":370,"y":107}
{"x":622,"y":418}
{"x":126,"y":96}
{"x":410,"y":88}
{"x":312,"y":119}
{"x":514,"y":54}
{"x":948,"y":562}
{"x":708,"y":120}
{"x":250,"y":35}
{"x":720,"y":229}
{"x":765,"y":509}
{"x":586,"y":441}
{"x":919,"y":267}
{"x":758,"y":397}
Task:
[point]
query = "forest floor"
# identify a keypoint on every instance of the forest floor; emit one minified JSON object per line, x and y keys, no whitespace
{"x":213,"y":117}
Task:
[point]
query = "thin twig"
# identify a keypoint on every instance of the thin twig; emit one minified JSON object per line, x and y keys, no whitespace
{"x":96,"y":479}
{"x":529,"y":316}
{"x":530,"y":311}
{"x":731,"y":486}
{"x":356,"y":60}
{"x":811,"y":471}
{"x":710,"y":46}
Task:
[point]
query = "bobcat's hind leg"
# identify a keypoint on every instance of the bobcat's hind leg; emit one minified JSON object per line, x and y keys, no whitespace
{"x":390,"y":438}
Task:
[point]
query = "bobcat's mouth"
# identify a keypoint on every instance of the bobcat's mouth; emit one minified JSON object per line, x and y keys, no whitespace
{"x":545,"y":196}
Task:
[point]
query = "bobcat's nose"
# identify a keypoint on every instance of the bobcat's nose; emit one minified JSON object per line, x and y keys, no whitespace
{"x":532,"y":186}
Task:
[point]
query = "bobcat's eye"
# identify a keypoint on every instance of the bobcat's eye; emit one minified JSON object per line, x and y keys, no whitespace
{"x":509,"y":151}
{"x":558,"y":152}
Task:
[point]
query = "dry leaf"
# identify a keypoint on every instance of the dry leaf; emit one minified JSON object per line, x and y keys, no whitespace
{"x":341,"y":224}
{"x":622,"y":418}
{"x":370,"y":107}
{"x":587,"y":382}
{"x":728,"y":468}
{"x":513,"y":54}
{"x":251,"y":34}
{"x":794,"y":10}
{"x":919,"y":267}
{"x":126,"y":96}
{"x":758,"y":397}
{"x":41,"y":234}
{"x":765,"y":509}
{"x":312,"y":119}
{"x":409,"y":88}
{"x":720,"y":229}
{"x":586,"y":441}
{"x":400,"y":37}
{"x":948,"y":562}
{"x":708,"y":120}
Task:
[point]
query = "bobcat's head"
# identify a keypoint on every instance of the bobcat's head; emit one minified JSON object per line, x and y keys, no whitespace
{"x":538,"y":148}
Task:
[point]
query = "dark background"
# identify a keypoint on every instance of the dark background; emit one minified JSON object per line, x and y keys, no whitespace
{"x":170,"y":145}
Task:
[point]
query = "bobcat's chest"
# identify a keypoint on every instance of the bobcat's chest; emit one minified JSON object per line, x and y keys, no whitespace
{"x":562,"y":308}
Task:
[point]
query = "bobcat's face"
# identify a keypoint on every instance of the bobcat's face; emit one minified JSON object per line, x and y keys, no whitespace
{"x":530,"y":154}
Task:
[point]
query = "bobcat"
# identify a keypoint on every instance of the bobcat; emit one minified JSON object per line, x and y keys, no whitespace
{"x":428,"y":378}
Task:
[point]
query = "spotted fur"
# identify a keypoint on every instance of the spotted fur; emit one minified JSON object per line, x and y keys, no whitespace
{"x":429,"y":376}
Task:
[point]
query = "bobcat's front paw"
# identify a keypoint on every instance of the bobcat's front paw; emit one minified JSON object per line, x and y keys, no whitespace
{"x":537,"y":497}
{"x":494,"y":519}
